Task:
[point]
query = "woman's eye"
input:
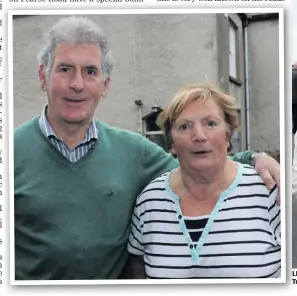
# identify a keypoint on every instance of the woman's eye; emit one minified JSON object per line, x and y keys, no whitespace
{"x":184,"y":126}
{"x":212,"y":123}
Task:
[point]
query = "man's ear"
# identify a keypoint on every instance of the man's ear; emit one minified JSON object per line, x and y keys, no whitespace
{"x":42,"y":77}
{"x":106,"y":86}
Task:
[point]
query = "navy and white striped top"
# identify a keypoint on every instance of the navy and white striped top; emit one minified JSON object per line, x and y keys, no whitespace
{"x":239,"y":239}
{"x":79,"y":150}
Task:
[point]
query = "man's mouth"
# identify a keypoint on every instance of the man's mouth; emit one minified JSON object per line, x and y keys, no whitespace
{"x":74,"y":100}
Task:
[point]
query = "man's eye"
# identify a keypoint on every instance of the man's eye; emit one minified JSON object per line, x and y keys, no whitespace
{"x":91,"y":71}
{"x":64,"y":69}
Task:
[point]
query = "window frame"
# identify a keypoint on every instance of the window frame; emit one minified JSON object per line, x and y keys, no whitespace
{"x":234,"y":69}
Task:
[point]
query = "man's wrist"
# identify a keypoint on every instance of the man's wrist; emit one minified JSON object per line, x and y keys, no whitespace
{"x":253,"y":158}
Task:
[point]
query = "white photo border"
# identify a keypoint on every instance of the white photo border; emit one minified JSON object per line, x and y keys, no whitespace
{"x":280,"y":11}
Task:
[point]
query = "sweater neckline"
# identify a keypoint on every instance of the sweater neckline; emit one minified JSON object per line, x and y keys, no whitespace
{"x":59,"y":156}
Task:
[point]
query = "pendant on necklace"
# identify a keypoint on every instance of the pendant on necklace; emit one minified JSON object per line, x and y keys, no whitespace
{"x":197,"y":207}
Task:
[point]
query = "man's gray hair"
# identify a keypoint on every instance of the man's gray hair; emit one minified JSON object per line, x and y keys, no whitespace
{"x":75,"y":30}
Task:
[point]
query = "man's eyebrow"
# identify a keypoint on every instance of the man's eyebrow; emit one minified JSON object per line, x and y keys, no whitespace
{"x":66,"y":65}
{"x":92,"y":67}
{"x":72,"y":66}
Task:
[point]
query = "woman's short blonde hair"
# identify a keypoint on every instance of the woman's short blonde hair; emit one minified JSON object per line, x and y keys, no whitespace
{"x":194,"y":92}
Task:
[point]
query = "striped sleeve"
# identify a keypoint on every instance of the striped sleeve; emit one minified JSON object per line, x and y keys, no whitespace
{"x":135,"y":244}
{"x":274,"y":216}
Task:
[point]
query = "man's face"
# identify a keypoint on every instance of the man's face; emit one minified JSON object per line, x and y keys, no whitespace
{"x":75,"y":84}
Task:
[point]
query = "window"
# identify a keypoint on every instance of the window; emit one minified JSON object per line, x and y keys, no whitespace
{"x":236,"y":138}
{"x":233,"y":50}
{"x":152,"y":131}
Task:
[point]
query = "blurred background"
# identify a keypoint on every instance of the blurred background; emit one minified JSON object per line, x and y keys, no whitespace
{"x":155,"y":55}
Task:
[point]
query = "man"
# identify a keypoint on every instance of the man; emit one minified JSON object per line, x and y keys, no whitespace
{"x":76,"y":179}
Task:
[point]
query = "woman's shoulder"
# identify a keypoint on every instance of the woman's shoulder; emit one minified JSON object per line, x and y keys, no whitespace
{"x":155,"y":190}
{"x":250,"y":175}
{"x":251,"y":183}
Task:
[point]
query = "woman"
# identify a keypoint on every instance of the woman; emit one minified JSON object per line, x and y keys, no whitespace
{"x":211,"y":217}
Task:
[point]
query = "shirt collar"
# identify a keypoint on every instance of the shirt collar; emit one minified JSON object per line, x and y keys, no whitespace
{"x":91,"y":134}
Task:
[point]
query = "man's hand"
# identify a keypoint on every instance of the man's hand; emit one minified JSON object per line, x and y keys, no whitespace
{"x":269,"y":170}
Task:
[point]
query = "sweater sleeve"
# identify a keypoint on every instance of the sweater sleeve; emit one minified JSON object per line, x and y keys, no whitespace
{"x":155,"y":161}
{"x":243,"y":157}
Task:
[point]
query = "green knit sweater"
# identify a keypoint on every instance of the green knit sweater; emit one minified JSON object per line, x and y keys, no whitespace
{"x":72,"y":220}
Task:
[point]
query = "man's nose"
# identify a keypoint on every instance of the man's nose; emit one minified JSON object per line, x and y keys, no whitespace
{"x":77,"y":82}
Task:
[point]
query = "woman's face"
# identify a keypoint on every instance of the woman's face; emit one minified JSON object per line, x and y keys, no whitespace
{"x":199,"y":136}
